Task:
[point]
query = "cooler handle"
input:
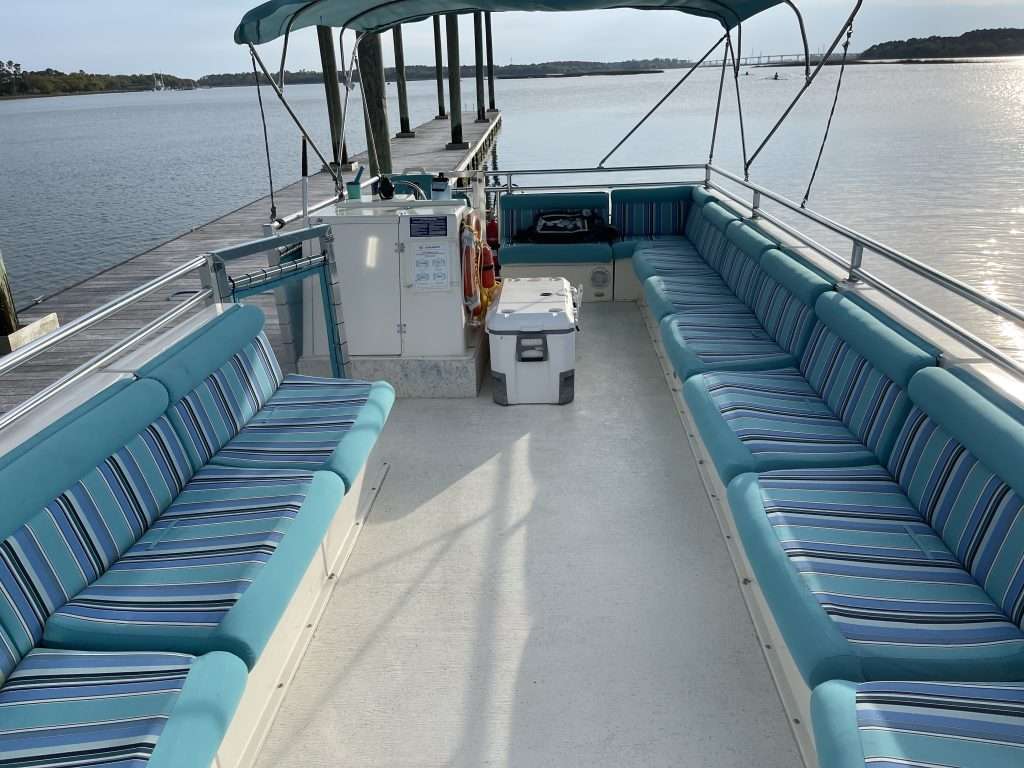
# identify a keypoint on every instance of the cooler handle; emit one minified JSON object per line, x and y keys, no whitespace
{"x":531,"y":348}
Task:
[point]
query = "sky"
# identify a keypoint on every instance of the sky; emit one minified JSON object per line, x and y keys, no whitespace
{"x":191,"y":38}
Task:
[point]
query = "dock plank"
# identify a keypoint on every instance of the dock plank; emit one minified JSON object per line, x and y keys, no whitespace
{"x":426,"y":150}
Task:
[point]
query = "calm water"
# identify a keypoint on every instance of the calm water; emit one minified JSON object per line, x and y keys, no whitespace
{"x":927,"y":158}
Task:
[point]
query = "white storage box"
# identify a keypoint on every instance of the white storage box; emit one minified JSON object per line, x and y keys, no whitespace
{"x":532,"y":332}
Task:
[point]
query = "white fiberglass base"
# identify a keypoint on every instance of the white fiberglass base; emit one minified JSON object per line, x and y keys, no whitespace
{"x":539,"y":586}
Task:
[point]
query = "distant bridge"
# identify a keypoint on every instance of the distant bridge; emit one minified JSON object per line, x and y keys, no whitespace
{"x":779,"y":60}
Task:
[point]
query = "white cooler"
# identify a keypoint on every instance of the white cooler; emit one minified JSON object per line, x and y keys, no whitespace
{"x":532,"y":332}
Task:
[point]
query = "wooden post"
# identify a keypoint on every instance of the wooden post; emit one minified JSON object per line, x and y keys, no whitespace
{"x":439,"y":69}
{"x":491,"y":105}
{"x":8,"y":314}
{"x":375,"y":104}
{"x":451,"y":25}
{"x":330,"y":69}
{"x":478,"y":49}
{"x":405,"y":131}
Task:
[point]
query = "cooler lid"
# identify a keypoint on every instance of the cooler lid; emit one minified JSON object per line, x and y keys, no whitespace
{"x":533,"y":304}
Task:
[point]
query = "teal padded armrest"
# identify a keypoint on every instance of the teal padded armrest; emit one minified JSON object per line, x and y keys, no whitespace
{"x":186,"y":364}
{"x":350,"y":456}
{"x":48,"y":464}
{"x":834,"y":716}
{"x":884,"y":348}
{"x":702,"y":196}
{"x":201,"y":716}
{"x":570,"y":253}
{"x":992,"y":435}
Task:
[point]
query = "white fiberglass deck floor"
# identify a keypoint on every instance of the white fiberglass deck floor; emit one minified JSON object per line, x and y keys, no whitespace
{"x":539,"y":586}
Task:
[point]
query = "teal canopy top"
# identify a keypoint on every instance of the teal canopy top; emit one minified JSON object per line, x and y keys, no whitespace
{"x":276,"y":17}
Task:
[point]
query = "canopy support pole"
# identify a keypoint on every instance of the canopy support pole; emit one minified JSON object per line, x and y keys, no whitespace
{"x":803,"y":36}
{"x":439,"y":69}
{"x":807,"y":84}
{"x":491,"y":104}
{"x":375,"y":102}
{"x":478,"y":50}
{"x":329,"y":64}
{"x":718,"y":107}
{"x":291,"y":113}
{"x":662,"y":100}
{"x":734,"y":55}
{"x":451,"y":26}
{"x":405,"y":131}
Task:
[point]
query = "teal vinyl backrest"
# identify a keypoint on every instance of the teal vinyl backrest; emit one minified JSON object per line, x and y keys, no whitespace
{"x":650,"y":211}
{"x":60,"y":455}
{"x":785,"y":300}
{"x":519,"y":211}
{"x":740,"y":264}
{"x":184,"y":366}
{"x":960,"y":460}
{"x":706,"y":228}
{"x":861,"y":368}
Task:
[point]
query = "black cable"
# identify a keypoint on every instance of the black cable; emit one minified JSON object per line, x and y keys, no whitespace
{"x":718,"y":110}
{"x":266,"y":140}
{"x":828,"y":126}
{"x":739,"y":105}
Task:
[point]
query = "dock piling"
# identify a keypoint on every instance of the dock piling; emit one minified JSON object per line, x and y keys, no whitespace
{"x":329,"y":63}
{"x":375,"y":103}
{"x":405,"y":131}
{"x":8,"y":313}
{"x":491,"y":104}
{"x":439,"y":69}
{"x":478,"y":46}
{"x":451,"y":24}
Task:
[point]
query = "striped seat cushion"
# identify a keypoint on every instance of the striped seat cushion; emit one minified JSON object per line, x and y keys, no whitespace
{"x":71,"y":709}
{"x":874,"y":565}
{"x":713,"y":340}
{"x":300,"y":426}
{"x":214,"y":412}
{"x":866,"y":400}
{"x":977,"y":514}
{"x":670,"y":295}
{"x":710,"y":242}
{"x":741,"y":271}
{"x":921,"y":725}
{"x":656,"y":258}
{"x":778,"y":413}
{"x":75,"y":538}
{"x":197,"y":559}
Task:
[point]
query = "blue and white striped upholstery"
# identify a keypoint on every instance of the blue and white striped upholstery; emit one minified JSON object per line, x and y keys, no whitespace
{"x":777,"y":412}
{"x":78,"y":535}
{"x":675,"y":293}
{"x":786,"y":319}
{"x":874,"y":565}
{"x":710,"y":242}
{"x":720,"y":340}
{"x":71,"y":709}
{"x":654,"y":258}
{"x":300,"y":426}
{"x":648,"y":218}
{"x":216,"y":410}
{"x":741,"y":271}
{"x":977,"y":514}
{"x":864,"y":398}
{"x":910,"y":724}
{"x":198,"y":558}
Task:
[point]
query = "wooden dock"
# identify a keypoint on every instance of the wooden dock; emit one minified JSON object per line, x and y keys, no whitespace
{"x":426,"y":150}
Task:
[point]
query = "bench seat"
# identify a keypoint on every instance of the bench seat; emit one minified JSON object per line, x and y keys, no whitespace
{"x":842,"y":406}
{"x":912,"y":724}
{"x":697,"y":341}
{"x":213,"y":572}
{"x":668,"y":295}
{"x":861,"y":586}
{"x":629,"y":246}
{"x":159,"y":710}
{"x":556,"y":253}
{"x":312,"y":423}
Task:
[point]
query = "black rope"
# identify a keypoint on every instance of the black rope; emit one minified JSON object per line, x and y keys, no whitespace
{"x":828,"y":126}
{"x":718,"y":110}
{"x":739,"y":106}
{"x":266,"y":140}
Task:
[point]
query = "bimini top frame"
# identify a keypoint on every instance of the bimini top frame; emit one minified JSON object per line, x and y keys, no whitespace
{"x":276,"y":18}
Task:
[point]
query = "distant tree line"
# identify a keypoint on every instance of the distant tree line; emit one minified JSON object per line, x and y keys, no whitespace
{"x":980,"y":42}
{"x":14,"y":81}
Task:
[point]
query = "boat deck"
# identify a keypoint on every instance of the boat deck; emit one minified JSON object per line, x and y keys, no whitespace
{"x":426,"y":150}
{"x":539,"y":586}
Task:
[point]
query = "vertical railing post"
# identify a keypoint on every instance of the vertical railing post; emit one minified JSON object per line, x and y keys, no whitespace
{"x":856,"y":260}
{"x":405,"y":131}
{"x":439,"y":69}
{"x":491,"y":105}
{"x":755,"y":205}
{"x":478,"y":50}
{"x":451,"y":24}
